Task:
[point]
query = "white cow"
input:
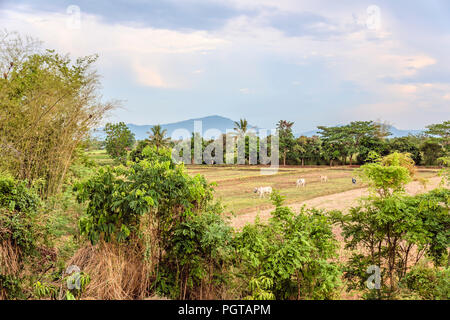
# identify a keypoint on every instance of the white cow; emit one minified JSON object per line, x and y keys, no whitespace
{"x":323,"y":178}
{"x":261,"y":191}
{"x":301,"y":182}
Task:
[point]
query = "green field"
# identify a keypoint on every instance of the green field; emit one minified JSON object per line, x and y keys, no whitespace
{"x":235,"y":184}
{"x":100,"y":157}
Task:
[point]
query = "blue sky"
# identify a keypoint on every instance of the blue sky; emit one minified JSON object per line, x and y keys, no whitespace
{"x":312,"y":62}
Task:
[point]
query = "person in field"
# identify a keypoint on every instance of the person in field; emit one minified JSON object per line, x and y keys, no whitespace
{"x":353,"y":180}
{"x":262,"y":191}
{"x":323,"y":178}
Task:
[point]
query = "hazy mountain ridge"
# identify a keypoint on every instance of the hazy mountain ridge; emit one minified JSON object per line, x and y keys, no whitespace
{"x":220,"y":123}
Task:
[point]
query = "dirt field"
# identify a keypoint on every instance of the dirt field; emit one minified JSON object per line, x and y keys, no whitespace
{"x":339,"y":201}
{"x":235,"y":186}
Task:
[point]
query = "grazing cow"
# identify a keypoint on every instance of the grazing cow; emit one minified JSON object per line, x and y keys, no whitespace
{"x":353,"y":180}
{"x":301,"y":182}
{"x":323,"y":178}
{"x":261,"y":191}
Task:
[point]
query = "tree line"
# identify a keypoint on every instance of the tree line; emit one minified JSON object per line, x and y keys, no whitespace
{"x":353,"y":143}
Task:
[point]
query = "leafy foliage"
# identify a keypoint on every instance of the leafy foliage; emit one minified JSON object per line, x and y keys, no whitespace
{"x":119,"y":139}
{"x":289,"y":257}
{"x":18,"y":208}
{"x":49,"y":104}
{"x":393,"y":231}
{"x":427,"y":283}
{"x":388,"y":175}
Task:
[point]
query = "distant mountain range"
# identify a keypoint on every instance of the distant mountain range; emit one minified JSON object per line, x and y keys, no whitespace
{"x":220,"y":123}
{"x":211,"y":122}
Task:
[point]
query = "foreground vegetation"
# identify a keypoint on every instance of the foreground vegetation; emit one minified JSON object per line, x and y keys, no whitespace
{"x":74,"y":227}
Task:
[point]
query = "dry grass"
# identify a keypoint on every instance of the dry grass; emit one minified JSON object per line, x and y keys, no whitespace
{"x":117,"y":271}
{"x":9,"y":262}
{"x":235,"y":184}
{"x":9,"y":258}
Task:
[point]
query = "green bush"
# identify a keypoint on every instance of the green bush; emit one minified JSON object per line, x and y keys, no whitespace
{"x":198,"y":258}
{"x":19,"y":234}
{"x":18,"y":210}
{"x":427,"y":283}
{"x":392,"y":230}
{"x":155,"y":203}
{"x":289,"y":258}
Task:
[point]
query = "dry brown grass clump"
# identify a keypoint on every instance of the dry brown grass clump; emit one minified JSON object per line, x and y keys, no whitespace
{"x":9,"y":262}
{"x":9,"y":258}
{"x":117,"y":271}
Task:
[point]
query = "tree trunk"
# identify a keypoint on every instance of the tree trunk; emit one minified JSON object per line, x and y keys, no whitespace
{"x":303,"y":162}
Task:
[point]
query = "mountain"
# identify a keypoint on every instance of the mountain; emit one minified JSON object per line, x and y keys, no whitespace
{"x":220,"y":123}
{"x":210,"y":122}
{"x":395,"y":133}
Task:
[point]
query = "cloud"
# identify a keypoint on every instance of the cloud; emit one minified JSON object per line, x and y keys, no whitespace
{"x":342,"y":65}
{"x":145,"y":53}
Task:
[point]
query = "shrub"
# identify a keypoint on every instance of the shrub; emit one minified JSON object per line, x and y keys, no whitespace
{"x":19,"y":233}
{"x":290,"y":257}
{"x":427,"y":283}
{"x":393,"y":231}
{"x":167,"y":215}
{"x":198,"y":256}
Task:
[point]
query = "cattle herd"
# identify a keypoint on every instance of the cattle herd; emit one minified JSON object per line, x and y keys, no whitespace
{"x":301,"y":182}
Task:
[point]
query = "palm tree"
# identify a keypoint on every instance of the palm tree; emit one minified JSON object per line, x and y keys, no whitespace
{"x":157,"y":137}
{"x":286,"y":137}
{"x":241,"y":127}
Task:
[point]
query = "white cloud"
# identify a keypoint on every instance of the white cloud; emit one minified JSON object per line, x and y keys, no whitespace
{"x":375,"y":60}
{"x":147,"y":53}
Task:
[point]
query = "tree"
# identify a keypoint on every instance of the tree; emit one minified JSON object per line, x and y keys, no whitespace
{"x":431,"y":150}
{"x":441,"y":130}
{"x":359,"y":130}
{"x":291,"y":257}
{"x":371,"y":144}
{"x":119,"y":139}
{"x":49,"y":104}
{"x":307,"y":148}
{"x":335,"y":142}
{"x":157,"y":137}
{"x":409,"y":144}
{"x":241,"y":127}
{"x":346,"y":140}
{"x":286,"y":137}
{"x":392,"y":231}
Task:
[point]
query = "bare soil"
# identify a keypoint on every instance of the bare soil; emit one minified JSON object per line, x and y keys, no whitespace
{"x":337,"y":201}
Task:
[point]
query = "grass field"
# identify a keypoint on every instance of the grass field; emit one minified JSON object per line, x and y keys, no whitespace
{"x":235,"y":184}
{"x":100,"y":157}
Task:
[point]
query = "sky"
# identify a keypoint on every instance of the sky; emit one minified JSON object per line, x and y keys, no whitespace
{"x":313,"y":62}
